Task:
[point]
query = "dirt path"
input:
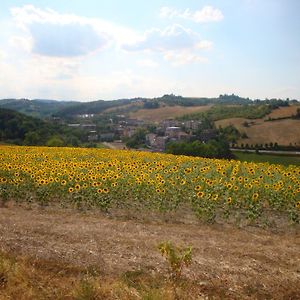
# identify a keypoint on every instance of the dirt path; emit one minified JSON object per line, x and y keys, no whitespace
{"x":115,"y":145}
{"x":245,"y":262}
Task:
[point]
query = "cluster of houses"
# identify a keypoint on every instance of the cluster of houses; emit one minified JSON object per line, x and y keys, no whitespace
{"x":169,"y":130}
{"x":175,"y":131}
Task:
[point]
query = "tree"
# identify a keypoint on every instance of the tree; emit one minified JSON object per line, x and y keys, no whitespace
{"x":218,"y":148}
{"x":151,"y":104}
{"x":55,"y":141}
{"x":32,"y":138}
{"x":138,"y":139}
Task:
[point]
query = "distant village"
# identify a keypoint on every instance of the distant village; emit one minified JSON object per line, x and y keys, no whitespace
{"x":169,"y":130}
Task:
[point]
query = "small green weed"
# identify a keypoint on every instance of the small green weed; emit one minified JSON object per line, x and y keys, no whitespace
{"x":176,"y":257}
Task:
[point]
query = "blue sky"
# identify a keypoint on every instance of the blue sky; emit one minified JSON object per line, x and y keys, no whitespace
{"x":89,"y":50}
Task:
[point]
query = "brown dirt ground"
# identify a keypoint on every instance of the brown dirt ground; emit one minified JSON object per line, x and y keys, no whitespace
{"x":283,"y":112}
{"x":166,"y":112}
{"x":124,"y":107}
{"x":238,"y":263}
{"x":283,"y":132}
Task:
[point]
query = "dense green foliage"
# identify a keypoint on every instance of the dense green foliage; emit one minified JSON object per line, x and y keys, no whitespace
{"x":186,"y":101}
{"x":94,"y":107}
{"x":148,"y":104}
{"x":230,"y":133}
{"x":137,"y":140}
{"x":172,"y":100}
{"x":20,"y":129}
{"x":217,"y":148}
{"x":35,"y":108}
{"x":276,"y":103}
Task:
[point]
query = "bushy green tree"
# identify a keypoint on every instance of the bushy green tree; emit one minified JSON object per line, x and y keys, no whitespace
{"x":217,"y":148}
{"x":55,"y":141}
{"x":138,"y":139}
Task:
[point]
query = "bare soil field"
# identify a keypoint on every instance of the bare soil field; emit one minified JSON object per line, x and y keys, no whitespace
{"x":124,"y":107}
{"x":283,"y":112}
{"x":166,"y":112}
{"x":283,"y":132}
{"x":228,"y":262}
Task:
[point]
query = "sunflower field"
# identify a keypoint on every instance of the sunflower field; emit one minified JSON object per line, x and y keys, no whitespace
{"x":141,"y":181}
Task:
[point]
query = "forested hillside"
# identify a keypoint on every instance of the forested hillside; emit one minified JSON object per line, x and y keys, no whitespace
{"x":36,"y":108}
{"x":17,"y":128}
{"x":67,"y":109}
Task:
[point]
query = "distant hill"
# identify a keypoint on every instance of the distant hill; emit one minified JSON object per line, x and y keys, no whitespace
{"x":281,"y":125}
{"x":68,"y":109}
{"x":135,"y":104}
{"x":166,"y":112}
{"x":19,"y":123}
{"x":17,"y":128}
{"x":94,"y":107}
{"x":37,"y":108}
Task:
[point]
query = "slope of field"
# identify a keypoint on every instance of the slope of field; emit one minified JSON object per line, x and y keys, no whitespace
{"x":227,"y":262}
{"x":125,"y":108}
{"x":167,"y":112}
{"x":284,"y":132}
{"x":283,"y":112}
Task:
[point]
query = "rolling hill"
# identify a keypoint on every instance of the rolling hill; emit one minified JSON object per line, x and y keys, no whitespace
{"x":260,"y":131}
{"x":18,"y":128}
{"x":263,"y":121}
{"x":166,"y":112}
{"x":47,"y":108}
{"x":36,"y":108}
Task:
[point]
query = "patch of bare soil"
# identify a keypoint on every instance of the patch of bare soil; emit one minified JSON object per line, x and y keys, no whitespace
{"x":283,"y":112}
{"x":284,"y":132}
{"x":228,"y":262}
{"x":167,"y":112}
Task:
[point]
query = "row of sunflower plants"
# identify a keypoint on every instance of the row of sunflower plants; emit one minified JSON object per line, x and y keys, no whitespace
{"x":141,"y":181}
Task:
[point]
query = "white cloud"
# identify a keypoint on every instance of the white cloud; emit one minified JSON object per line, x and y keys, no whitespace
{"x":47,"y":57}
{"x":168,"y":12}
{"x":114,"y":85}
{"x":174,"y":37}
{"x":205,"y":15}
{"x":183,"y":58}
{"x":62,"y":78}
{"x":50,"y":33}
{"x":52,"y":68}
{"x":148,"y":63}
{"x":22,"y":42}
{"x":3,"y":55}
{"x":176,"y":44}
{"x":204,"y":44}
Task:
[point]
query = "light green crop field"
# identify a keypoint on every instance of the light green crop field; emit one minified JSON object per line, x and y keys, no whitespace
{"x":272,"y":159}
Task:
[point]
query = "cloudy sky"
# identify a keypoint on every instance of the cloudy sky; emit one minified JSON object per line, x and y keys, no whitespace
{"x":89,"y":49}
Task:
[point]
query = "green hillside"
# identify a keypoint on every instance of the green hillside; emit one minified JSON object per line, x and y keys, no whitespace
{"x":36,"y":108}
{"x":66,"y":109}
{"x":17,"y":128}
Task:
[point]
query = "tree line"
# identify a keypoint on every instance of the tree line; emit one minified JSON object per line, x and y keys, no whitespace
{"x":17,"y":128}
